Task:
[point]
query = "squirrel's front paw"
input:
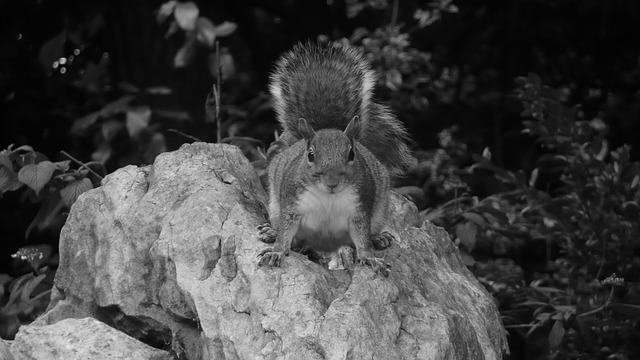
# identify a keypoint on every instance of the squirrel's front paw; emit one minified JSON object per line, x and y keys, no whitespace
{"x":383,"y":240}
{"x":266,"y":233}
{"x":271,"y":258}
{"x":377,"y":264}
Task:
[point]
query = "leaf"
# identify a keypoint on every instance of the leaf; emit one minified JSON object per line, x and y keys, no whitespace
{"x":627,"y":309}
{"x":36,"y":176}
{"x":71,"y":192}
{"x":62,"y":165}
{"x":8,"y":180}
{"x":173,"y":27}
{"x":14,"y":290}
{"x":534,"y":177}
{"x":466,"y":232}
{"x":29,"y":286}
{"x":205,"y":31}
{"x":186,"y":54}
{"x":52,"y":50}
{"x":474,"y":218}
{"x":157,"y":146}
{"x":165,"y":10}
{"x":556,"y":335}
{"x":138,"y":120}
{"x":47,"y":215}
{"x":226,"y":28}
{"x":186,"y":14}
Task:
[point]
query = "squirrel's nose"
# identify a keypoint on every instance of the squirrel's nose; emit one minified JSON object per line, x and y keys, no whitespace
{"x":332,"y":181}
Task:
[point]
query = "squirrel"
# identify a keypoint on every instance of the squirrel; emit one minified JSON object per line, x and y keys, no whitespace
{"x":329,"y":181}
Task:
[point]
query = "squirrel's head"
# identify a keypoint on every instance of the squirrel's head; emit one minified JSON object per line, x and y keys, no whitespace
{"x":331,"y":155}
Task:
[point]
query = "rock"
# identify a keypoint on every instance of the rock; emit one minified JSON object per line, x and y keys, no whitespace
{"x":5,"y":353}
{"x":80,"y":339}
{"x":168,"y":255}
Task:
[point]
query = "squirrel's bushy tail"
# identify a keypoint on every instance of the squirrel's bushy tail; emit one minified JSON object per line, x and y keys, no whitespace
{"x":328,"y":85}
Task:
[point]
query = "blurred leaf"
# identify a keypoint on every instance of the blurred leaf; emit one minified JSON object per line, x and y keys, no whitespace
{"x":52,"y":50}
{"x":205,"y":31}
{"x":165,"y":10}
{"x":466,"y":232}
{"x":36,"y":176}
{"x":110,"y":129}
{"x":227,"y":63}
{"x":29,"y":286}
{"x":226,"y":28}
{"x":157,"y":146}
{"x":556,"y":334}
{"x":8,"y":180}
{"x":71,"y":192}
{"x":47,"y":215}
{"x":186,"y":54}
{"x":103,"y":153}
{"x":474,"y":218}
{"x":159,"y":90}
{"x":186,"y":14}
{"x":173,"y":27}
{"x":138,"y":119}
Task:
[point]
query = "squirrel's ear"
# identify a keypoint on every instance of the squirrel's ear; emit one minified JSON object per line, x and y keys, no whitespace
{"x":353,"y":129}
{"x":305,"y":130}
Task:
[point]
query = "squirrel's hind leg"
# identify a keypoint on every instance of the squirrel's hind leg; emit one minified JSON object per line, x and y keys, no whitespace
{"x":382,"y":240}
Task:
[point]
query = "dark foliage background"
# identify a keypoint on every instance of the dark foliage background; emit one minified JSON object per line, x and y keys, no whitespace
{"x":542,"y":203}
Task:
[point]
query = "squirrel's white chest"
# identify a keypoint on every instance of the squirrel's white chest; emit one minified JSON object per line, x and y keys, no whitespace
{"x":325,"y":217}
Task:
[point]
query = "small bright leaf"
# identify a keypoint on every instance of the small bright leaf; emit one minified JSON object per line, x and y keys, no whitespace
{"x":36,"y":176}
{"x":71,"y":192}
{"x":138,"y":120}
{"x":226,"y":28}
{"x":186,"y":15}
{"x":62,"y":165}
{"x":205,"y":31}
{"x":165,"y":10}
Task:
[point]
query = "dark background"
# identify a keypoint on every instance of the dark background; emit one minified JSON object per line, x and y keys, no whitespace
{"x":589,"y":50}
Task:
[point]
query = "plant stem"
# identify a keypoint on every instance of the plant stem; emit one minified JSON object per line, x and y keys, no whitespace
{"x":81,"y":164}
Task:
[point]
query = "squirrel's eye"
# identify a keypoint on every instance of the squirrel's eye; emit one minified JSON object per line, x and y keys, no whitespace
{"x":351,"y":153}
{"x":310,"y":155}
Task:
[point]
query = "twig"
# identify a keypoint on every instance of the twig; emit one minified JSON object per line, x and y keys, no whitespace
{"x":185,"y":135}
{"x":394,"y":14}
{"x":217,"y":94}
{"x":81,"y":164}
{"x":606,"y":303}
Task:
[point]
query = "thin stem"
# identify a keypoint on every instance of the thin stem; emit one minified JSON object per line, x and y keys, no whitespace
{"x":81,"y":164}
{"x":606,"y":303}
{"x":394,"y":14}
{"x":217,"y":94}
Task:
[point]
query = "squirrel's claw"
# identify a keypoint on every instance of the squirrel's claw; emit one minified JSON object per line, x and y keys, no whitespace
{"x":377,"y":264}
{"x":266,"y":233}
{"x":271,"y":258}
{"x":383,"y":240}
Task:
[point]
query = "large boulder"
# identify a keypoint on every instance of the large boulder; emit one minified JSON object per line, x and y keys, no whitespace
{"x":168,"y":255}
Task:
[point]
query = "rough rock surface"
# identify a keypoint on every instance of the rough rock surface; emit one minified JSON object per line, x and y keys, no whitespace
{"x":168,"y":254}
{"x":80,"y":339}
